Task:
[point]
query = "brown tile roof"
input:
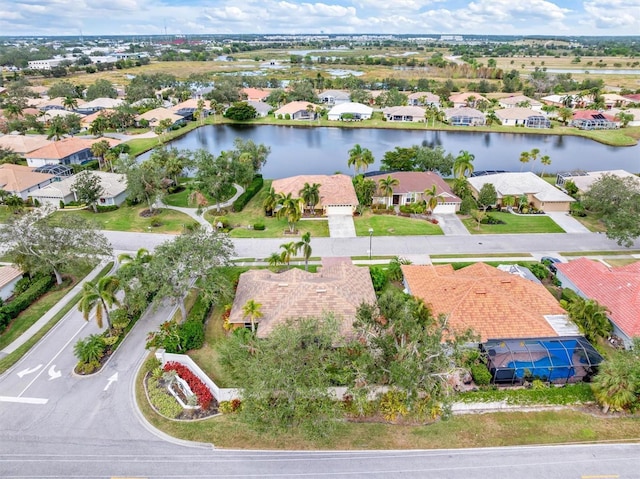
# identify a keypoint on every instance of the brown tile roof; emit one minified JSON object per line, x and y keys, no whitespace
{"x":338,"y":288}
{"x":18,"y":178}
{"x":67,"y":146}
{"x":293,"y":107}
{"x":616,"y":288}
{"x":417,"y":182}
{"x":462,"y":97}
{"x":493,"y":303}
{"x":22,"y":144}
{"x":256,"y":94}
{"x":334,"y":189}
{"x":8,"y":274}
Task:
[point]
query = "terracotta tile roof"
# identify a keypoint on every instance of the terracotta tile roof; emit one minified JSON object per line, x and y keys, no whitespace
{"x":155,"y":116}
{"x":516,"y":113}
{"x":87,"y":120}
{"x":338,"y":288}
{"x":293,"y":107}
{"x":616,"y":288}
{"x":255,"y":94}
{"x":334,"y":189}
{"x":590,"y":114}
{"x":22,"y":144}
{"x":191,"y":103}
{"x":493,"y":303}
{"x":462,"y":97}
{"x":67,"y":146}
{"x":515,"y":99}
{"x":8,"y":274}
{"x":18,"y":178}
{"x":417,"y":182}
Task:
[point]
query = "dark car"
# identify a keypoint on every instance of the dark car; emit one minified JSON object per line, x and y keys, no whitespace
{"x":550,"y":262}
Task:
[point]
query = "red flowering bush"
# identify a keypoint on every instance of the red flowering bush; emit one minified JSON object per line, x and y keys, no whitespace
{"x":198,"y":388}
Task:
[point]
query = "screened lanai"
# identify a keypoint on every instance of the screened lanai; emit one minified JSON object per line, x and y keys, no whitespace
{"x":557,"y":360}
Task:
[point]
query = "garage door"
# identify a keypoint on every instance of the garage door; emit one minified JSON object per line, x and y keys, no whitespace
{"x":339,"y":210}
{"x":445,"y":209}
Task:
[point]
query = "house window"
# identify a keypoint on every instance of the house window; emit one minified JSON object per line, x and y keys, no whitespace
{"x":102,"y":200}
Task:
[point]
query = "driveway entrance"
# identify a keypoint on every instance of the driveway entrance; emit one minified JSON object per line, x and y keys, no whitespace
{"x":567,"y":222}
{"x":341,"y":226}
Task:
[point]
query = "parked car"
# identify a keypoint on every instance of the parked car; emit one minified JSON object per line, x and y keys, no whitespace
{"x":550,"y":262}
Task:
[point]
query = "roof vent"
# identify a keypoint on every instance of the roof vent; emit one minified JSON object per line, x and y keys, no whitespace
{"x":481,"y":291}
{"x":321,"y":290}
{"x":283,"y":285}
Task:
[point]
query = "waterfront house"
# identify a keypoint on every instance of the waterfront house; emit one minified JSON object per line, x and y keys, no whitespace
{"x":519,"y":116}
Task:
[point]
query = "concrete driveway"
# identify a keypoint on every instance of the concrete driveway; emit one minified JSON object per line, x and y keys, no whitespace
{"x":341,"y":226}
{"x":451,"y":224}
{"x":567,"y":222}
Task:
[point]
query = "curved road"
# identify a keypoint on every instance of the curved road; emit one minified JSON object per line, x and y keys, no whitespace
{"x":54,"y":424}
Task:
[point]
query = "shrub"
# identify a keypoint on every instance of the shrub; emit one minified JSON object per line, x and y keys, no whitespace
{"x":87,"y":368}
{"x":379,"y":278}
{"x":89,"y":349}
{"x":221,"y":219}
{"x":480,"y":374}
{"x":106,"y":209}
{"x":198,"y":388}
{"x":21,"y":302}
{"x":259,"y":226}
{"x":538,"y":269}
{"x":164,"y":402}
{"x":249,"y":193}
{"x":22,"y":285}
{"x":393,"y":404}
{"x":191,"y":335}
{"x":467,"y":204}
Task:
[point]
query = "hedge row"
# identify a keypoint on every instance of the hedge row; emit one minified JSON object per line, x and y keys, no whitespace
{"x":250,"y":192}
{"x":21,"y":302}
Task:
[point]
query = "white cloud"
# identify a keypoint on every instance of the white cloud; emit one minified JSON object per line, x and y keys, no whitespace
{"x":613,"y":14}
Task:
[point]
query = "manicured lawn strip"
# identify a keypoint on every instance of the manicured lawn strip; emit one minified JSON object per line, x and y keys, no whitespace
{"x":127,"y":218}
{"x":621,"y":262}
{"x":592,"y":223}
{"x":391,"y":225}
{"x":14,"y":357}
{"x":600,"y":253}
{"x":181,"y":198}
{"x":566,"y":395}
{"x":515,"y":224}
{"x":483,"y":255}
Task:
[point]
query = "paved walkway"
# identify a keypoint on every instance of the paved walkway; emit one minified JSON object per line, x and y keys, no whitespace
{"x":193,"y":212}
{"x":46,"y":317}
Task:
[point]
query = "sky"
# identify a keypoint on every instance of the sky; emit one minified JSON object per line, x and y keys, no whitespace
{"x":424,"y":17}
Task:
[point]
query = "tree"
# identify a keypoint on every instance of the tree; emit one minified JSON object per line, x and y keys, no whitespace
{"x":463,"y":164}
{"x":386,"y":186}
{"x":7,"y":155}
{"x":70,"y":103}
{"x":433,"y":159}
{"x":617,"y":385}
{"x":145,"y":182}
{"x":432,"y":197}
{"x":195,"y":260}
{"x":240,"y":111}
{"x":525,"y":156}
{"x":270,"y":201}
{"x":99,"y":125}
{"x":215,"y":174}
{"x":565,"y":114}
{"x":305,"y":245}
{"x":590,"y":317}
{"x":365,"y":190}
{"x":310,"y":195}
{"x":288,"y":251}
{"x":291,"y":209}
{"x":478,"y":217}
{"x":99,"y":149}
{"x":39,"y":244}
{"x":99,"y":295}
{"x":132,"y":275}
{"x":545,"y":161}
{"x":617,"y":202}
{"x":171,"y":161}
{"x":101,"y":89}
{"x":509,"y":201}
{"x":624,"y":118}
{"x":63,"y":89}
{"x":360,"y":158}
{"x":57,"y":129}
{"x":487,"y":196}
{"x":88,"y":189}
{"x":14,"y":109}
{"x":162,"y":128}
{"x":252,"y":310}
{"x":274,"y":260}
{"x":258,"y":153}
{"x":286,"y":376}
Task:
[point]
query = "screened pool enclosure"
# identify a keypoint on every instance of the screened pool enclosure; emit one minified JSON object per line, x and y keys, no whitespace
{"x":557,"y":360}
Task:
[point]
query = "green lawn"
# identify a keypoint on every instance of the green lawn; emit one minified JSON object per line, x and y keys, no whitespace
{"x":515,"y":224}
{"x":181,"y":198}
{"x":5,"y":213}
{"x":390,"y":225}
{"x":127,"y":218}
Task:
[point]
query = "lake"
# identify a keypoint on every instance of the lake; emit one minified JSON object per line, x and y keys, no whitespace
{"x":324,"y":150}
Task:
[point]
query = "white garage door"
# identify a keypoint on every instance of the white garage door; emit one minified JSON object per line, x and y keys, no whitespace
{"x":339,"y":210}
{"x":445,"y":209}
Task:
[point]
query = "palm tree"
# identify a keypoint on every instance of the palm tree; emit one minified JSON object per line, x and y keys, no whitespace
{"x":386,"y":187}
{"x":291,"y":209}
{"x":305,"y":245}
{"x":270,"y":201}
{"x":564,"y":114}
{"x":57,"y":129}
{"x":99,"y":149}
{"x":70,"y":103}
{"x":360,"y":158}
{"x":509,"y":201}
{"x":463,"y":164}
{"x":524,"y":158}
{"x":274,"y":261}
{"x":310,"y":194}
{"x":288,"y":251}
{"x":98,"y":126}
{"x":99,"y":295}
{"x":13,"y":109}
{"x":252,"y":310}
{"x":533,"y":155}
{"x":546,"y":161}
{"x":432,"y":197}
{"x":142,"y":257}
{"x":523,"y":202}
{"x":491,"y":118}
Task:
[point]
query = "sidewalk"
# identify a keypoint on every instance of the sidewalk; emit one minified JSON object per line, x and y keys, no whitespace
{"x":46,"y":317}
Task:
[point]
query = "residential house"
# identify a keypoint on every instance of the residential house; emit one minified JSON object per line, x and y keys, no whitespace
{"x":23,"y":144}
{"x":466,"y":99}
{"x":593,"y":120}
{"x":613,"y":100}
{"x":21,"y":180}
{"x":463,"y":116}
{"x":49,"y":115}
{"x":58,"y":104}
{"x":411,"y":187}
{"x":9,"y":276}
{"x":155,"y":116}
{"x":618,"y":289}
{"x":262,"y":109}
{"x":404,"y":113}
{"x":633,"y":98}
{"x":337,"y":195}
{"x":423,"y":98}
{"x":255,"y":94}
{"x":338,"y":288}
{"x":634,"y":112}
{"x":297,"y":110}
{"x":188,"y":108}
{"x":540,"y":194}
{"x":350,"y":111}
{"x":334,"y":97}
{"x":584,"y":179}
{"x":99,"y":104}
{"x":73,"y":150}
{"x":522,"y":101}
{"x":114,"y":190}
{"x":558,"y":100}
{"x":527,"y":117}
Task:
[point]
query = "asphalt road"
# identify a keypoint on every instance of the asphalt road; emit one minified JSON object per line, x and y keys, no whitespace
{"x":54,"y":424}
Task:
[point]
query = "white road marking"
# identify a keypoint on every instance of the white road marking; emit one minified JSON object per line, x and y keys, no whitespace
{"x":24,"y":372}
{"x":111,"y":380}
{"x":24,"y":400}
{"x":53,"y":374}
